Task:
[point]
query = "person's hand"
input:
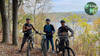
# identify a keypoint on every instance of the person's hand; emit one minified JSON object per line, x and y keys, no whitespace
{"x":36,"y":32}
{"x":29,"y":27}
{"x":53,"y":32}
{"x":71,"y":36}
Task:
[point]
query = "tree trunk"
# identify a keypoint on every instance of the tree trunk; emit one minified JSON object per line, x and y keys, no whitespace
{"x":9,"y":14}
{"x":15,"y":22}
{"x":5,"y":22}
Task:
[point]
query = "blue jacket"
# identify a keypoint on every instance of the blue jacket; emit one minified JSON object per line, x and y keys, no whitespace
{"x":48,"y":29}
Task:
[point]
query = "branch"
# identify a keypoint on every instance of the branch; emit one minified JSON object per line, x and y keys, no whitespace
{"x":19,"y":3}
{"x":40,"y":6}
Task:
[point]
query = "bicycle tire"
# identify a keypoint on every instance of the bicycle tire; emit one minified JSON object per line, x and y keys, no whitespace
{"x":70,"y":49}
{"x":57,"y":45}
{"x":71,"y":52}
{"x":28,"y":49}
{"x":68,"y":54}
{"x":44,"y":47}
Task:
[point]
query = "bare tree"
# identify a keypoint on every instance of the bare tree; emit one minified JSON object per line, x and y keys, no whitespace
{"x":16,"y":4}
{"x":5,"y":22}
{"x":9,"y":14}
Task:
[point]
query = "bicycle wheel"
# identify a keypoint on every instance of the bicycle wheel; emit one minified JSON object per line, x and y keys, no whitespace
{"x":44,"y":47}
{"x":69,"y":52}
{"x":28,"y":49}
{"x":57,"y":45}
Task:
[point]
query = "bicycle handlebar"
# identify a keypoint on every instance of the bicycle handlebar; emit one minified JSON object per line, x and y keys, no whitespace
{"x":62,"y":36}
{"x":41,"y":34}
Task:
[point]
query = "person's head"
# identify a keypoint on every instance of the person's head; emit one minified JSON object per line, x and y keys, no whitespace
{"x":62,"y":22}
{"x":48,"y":21}
{"x":28,"y":20}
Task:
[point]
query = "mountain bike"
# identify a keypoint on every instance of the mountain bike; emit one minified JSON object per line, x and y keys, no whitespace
{"x":44,"y":44}
{"x":29,"y":44}
{"x":62,"y":46}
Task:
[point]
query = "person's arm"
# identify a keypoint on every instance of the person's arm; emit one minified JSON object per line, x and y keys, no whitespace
{"x":53,"y":29}
{"x":59,"y":32}
{"x":45,"y":29}
{"x":72,"y":32}
{"x":24,"y":29}
{"x":34,"y":29}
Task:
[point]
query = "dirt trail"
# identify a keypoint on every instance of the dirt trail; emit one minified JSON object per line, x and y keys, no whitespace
{"x":10,"y":50}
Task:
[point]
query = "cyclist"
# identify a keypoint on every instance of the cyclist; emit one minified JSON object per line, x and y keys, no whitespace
{"x":27,"y":29}
{"x":49,"y":30}
{"x":63,"y":31}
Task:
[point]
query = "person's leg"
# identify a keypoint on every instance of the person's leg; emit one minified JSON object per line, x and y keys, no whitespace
{"x":23,"y":42}
{"x":67,"y":42}
{"x":52,"y":44}
{"x":67,"y":45}
{"x":47,"y":44}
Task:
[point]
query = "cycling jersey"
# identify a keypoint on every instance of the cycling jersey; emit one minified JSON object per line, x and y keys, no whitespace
{"x":28,"y":25}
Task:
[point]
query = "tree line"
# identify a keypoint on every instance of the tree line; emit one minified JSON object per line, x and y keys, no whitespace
{"x":6,"y":21}
{"x":9,"y":16}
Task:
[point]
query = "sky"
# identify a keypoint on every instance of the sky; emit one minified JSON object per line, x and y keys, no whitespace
{"x":71,"y":5}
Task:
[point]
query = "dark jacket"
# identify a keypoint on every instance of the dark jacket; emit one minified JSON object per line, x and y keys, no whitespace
{"x":65,"y":29}
{"x":48,"y":29}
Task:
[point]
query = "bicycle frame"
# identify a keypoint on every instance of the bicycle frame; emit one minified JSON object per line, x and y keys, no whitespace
{"x":29,"y":38}
{"x":62,"y":45}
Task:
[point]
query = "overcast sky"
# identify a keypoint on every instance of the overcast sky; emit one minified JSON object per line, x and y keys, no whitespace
{"x":71,"y":5}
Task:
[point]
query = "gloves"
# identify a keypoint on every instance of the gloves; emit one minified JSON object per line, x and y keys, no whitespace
{"x":36,"y":32}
